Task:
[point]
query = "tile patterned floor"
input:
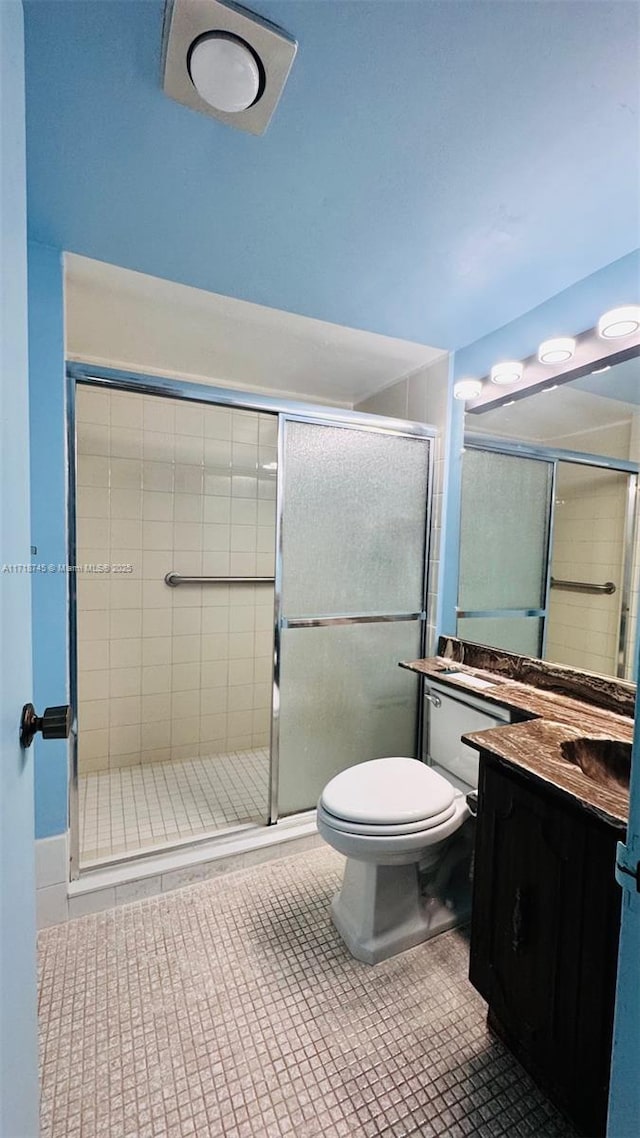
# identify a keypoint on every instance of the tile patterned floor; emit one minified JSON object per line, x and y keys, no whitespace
{"x":132,"y":808}
{"x":232,"y":1010}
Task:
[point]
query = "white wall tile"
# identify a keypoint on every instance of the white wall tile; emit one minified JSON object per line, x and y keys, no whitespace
{"x":166,"y":487}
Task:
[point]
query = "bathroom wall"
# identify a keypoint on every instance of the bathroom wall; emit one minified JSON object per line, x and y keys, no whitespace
{"x":166,"y":486}
{"x":424,"y":398}
{"x":18,"y":996}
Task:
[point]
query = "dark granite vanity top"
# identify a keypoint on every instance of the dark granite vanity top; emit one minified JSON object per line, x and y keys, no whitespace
{"x":581,"y":744}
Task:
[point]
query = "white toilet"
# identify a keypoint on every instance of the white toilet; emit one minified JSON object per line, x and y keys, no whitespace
{"x":388,"y":817}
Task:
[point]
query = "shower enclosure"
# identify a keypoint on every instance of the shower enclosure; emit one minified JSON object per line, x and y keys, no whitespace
{"x":548,"y":553}
{"x":249,"y":573}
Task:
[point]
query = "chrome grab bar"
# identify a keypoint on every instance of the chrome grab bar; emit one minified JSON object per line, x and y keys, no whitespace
{"x":583,"y":586}
{"x":175,"y":579}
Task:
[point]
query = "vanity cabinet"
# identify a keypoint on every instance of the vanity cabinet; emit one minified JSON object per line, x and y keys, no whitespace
{"x":544,"y":936}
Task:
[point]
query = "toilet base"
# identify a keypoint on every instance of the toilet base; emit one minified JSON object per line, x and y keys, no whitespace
{"x":380,"y":910}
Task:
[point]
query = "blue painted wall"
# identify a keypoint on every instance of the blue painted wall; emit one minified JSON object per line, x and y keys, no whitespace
{"x":571,"y":311}
{"x":433,"y":170}
{"x":48,"y":525}
{"x":18,"y":1038}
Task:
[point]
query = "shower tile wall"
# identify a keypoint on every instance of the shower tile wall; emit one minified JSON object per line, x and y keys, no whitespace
{"x":165,"y":485}
{"x":634,"y":600}
{"x":588,"y":546}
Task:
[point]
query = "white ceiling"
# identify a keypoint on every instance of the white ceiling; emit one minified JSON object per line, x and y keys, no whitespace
{"x":121,"y":318}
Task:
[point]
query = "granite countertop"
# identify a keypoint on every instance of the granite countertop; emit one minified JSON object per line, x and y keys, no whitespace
{"x":549,"y":720}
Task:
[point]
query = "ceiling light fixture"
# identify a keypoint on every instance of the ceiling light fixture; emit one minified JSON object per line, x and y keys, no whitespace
{"x":506,"y":373}
{"x":467,"y":389}
{"x":225,"y":61}
{"x":556,"y":351}
{"x":225,"y":72}
{"x":619,"y":322}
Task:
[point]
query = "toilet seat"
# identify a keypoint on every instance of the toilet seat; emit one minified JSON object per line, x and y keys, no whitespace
{"x":395,"y":795}
{"x":347,"y":826}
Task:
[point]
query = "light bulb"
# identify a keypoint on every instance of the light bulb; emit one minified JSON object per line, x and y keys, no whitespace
{"x":556,"y":351}
{"x":225,"y":72}
{"x":619,"y":322}
{"x":467,"y":389}
{"x":510,"y":371}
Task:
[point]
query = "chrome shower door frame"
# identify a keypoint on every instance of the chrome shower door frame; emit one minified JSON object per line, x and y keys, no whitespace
{"x":372,"y":423}
{"x":554,"y":456}
{"x":185,"y":390}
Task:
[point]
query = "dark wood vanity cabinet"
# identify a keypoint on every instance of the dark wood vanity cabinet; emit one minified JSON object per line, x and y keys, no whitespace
{"x":544,"y":936}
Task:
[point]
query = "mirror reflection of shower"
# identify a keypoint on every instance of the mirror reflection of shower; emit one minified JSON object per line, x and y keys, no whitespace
{"x":588,"y":545}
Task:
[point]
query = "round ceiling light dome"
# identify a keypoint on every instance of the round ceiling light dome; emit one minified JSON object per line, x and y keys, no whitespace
{"x":506,"y":373}
{"x":557,"y":351}
{"x":225,"y":72}
{"x":619,"y":322}
{"x":467,"y":389}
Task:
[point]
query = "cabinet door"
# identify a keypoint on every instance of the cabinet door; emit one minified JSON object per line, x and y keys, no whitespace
{"x":546,"y":916}
{"x":527,"y":915}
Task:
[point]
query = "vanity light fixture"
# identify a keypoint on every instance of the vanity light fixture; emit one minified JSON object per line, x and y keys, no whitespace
{"x":619,"y":322}
{"x":599,"y":370}
{"x":506,"y":373}
{"x":556,"y":351}
{"x":467,"y":389}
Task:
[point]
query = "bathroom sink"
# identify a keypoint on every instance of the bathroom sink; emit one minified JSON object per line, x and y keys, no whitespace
{"x":472,"y":681}
{"x":605,"y":761}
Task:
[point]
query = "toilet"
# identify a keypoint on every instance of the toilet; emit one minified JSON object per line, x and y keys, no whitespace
{"x":392,"y":818}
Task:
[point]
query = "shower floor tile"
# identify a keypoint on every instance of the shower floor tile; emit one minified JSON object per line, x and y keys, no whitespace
{"x":231,"y":1009}
{"x":133,"y":808}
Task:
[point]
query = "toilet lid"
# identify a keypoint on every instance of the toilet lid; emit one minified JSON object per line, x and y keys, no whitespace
{"x":388,"y":792}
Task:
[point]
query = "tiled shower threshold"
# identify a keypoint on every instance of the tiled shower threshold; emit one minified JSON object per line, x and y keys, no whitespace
{"x":103,"y":886}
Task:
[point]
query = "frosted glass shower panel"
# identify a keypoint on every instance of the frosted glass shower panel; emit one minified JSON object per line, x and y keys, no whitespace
{"x":354,"y":521}
{"x":343,"y":700}
{"x":521,"y":634}
{"x":503,"y":531}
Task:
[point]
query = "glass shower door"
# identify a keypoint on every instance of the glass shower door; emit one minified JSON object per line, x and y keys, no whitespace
{"x":351,"y":579}
{"x":506,"y":515}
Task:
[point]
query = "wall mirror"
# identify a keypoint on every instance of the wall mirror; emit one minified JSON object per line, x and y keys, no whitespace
{"x":549,"y":537}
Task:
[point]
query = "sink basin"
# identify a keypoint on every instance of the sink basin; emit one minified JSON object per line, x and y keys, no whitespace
{"x":605,"y":761}
{"x":470,"y":681}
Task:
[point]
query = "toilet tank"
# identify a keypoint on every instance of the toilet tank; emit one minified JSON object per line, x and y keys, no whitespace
{"x":448,"y":714}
